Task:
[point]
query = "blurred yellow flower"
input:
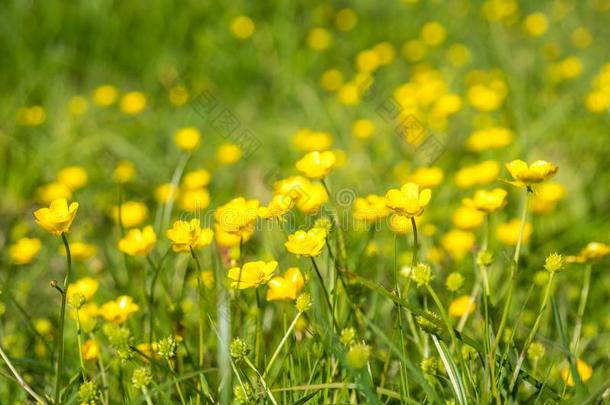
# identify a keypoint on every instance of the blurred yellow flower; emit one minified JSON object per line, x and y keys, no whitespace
{"x":467,"y":218}
{"x":461,"y":306}
{"x":105,"y":95}
{"x":536,"y":172}
{"x":402,"y":225}
{"x":252,"y":274}
{"x":367,"y":61}
{"x":278,"y":206}
{"x":592,"y":252}
{"x":80,"y":251}
{"x":535,"y":24}
{"x":346,"y":19}
{"x":57,"y":219}
{"x":31,"y":116}
{"x":508,"y":232}
{"x":91,"y":350}
{"x":238,"y":216}
{"x":408,"y":201}
{"x":489,"y":138}
{"x":458,"y":55}
{"x":87,"y":315}
{"x":363,"y":128}
{"x":187,"y":138}
{"x":581,"y":37}
{"x":484,"y":98}
{"x":331,"y":80}
{"x":308,"y":244}
{"x":133,"y":103}
{"x":187,"y":235}
{"x":370,"y":208}
{"x":194,"y":200}
{"x":73,"y":177}
{"x":242,"y":27}
{"x":349,"y":93}
{"x":287,"y":286}
{"x":487,"y":201}
{"x":311,"y":197}
{"x":585,"y":372}
{"x":119,"y":310}
{"x":132,"y":213}
{"x":77,"y":105}
{"x":433,"y":33}
{"x":228,"y":239}
{"x":228,"y":153}
{"x":124,"y":172}
{"x":24,"y":250}
{"x":308,"y":140}
{"x":478,"y":174}
{"x":165,"y":193}
{"x":178,"y":96}
{"x":86,"y":286}
{"x":53,"y":191}
{"x":385,"y":53}
{"x":138,"y":242}
{"x":319,"y":39}
{"x":546,"y":197}
{"x":196,"y":179}
{"x":316,"y":165}
{"x":427,"y":177}
{"x":457,"y":243}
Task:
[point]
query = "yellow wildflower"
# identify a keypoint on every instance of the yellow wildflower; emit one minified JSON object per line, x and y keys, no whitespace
{"x":24,"y":250}
{"x":252,"y":274}
{"x":585,"y":372}
{"x":508,"y":232}
{"x":138,"y":242}
{"x":73,"y":177}
{"x":408,"y":201}
{"x":57,"y":219}
{"x":316,"y":165}
{"x":370,"y":208}
{"x":308,"y":244}
{"x":189,"y":235}
{"x":119,"y":310}
{"x":133,"y":213}
{"x":487,"y":201}
{"x":461,"y":306}
{"x":286,"y":287}
{"x":187,"y":138}
{"x":536,"y":172}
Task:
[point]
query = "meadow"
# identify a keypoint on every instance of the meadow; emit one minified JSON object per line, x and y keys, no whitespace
{"x":304,"y":202}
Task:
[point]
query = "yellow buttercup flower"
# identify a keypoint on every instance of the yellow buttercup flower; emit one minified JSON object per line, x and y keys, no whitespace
{"x":489,"y":138}
{"x":308,"y":140}
{"x":536,"y":172}
{"x":187,"y":138}
{"x":228,"y":153}
{"x":316,"y":165}
{"x":308,"y":244}
{"x":73,"y":177}
{"x":279,"y":206}
{"x":402,"y":225}
{"x":194,"y":200}
{"x":461,"y":306}
{"x":457,"y":243}
{"x":24,"y":250}
{"x":427,"y":177}
{"x":363,"y":128}
{"x":252,"y":274}
{"x":408,"y":201}
{"x":508,"y":232}
{"x":478,"y":174}
{"x":105,"y":95}
{"x":592,"y":252}
{"x":165,"y":193}
{"x":370,"y":208}
{"x":85,"y":286}
{"x":78,"y":105}
{"x":91,"y":350}
{"x":138,"y":242}
{"x":467,"y":218}
{"x":53,"y":191}
{"x":487,"y":201}
{"x":319,"y":39}
{"x":238,"y":216}
{"x":331,"y":80}
{"x":124,"y":171}
{"x":242,"y":27}
{"x":547,"y":196}
{"x":87,"y":314}
{"x":133,"y":103}
{"x":196,"y":179}
{"x":228,"y":239}
{"x":585,"y":372}
{"x":57,"y":219}
{"x":286,"y":287}
{"x":133,"y":213}
{"x":189,"y":235}
{"x":80,"y":251}
{"x":119,"y":310}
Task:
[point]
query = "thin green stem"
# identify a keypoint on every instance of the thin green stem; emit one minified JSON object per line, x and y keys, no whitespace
{"x":176,"y":382}
{"x":415,"y":242}
{"x":533,"y":332}
{"x":80,"y":345}
{"x":326,"y":295}
{"x":198,"y":266}
{"x":584,"y":295}
{"x":146,"y":396}
{"x":262,"y":380}
{"x":404,"y":382}
{"x":281,"y":344}
{"x":20,"y":379}
{"x":62,"y":317}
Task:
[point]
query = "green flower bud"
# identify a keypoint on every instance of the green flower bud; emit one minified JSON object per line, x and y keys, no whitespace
{"x":166,"y":348}
{"x":358,"y":355}
{"x":428,"y":326}
{"x":141,"y":378}
{"x":421,"y":274}
{"x":454,"y":281}
{"x":303,"y":302}
{"x":536,"y":351}
{"x":239,"y":348}
{"x":429,"y":366}
{"x":347,"y":336}
{"x":554,"y":262}
{"x":88,"y":393}
{"x":485,"y":258}
{"x":244,"y":395}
